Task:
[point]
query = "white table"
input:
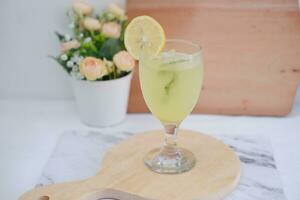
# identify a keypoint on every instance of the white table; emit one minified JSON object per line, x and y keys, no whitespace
{"x":29,"y":130}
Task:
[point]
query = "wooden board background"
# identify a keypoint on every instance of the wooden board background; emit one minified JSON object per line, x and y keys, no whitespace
{"x":251,"y":51}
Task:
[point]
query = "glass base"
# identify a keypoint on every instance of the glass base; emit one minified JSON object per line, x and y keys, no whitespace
{"x":163,"y":163}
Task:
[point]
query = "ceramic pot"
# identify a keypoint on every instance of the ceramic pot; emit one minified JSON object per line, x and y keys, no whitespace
{"x":102,"y":103}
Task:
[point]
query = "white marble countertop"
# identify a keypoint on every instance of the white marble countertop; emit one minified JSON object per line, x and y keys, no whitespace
{"x":29,"y":131}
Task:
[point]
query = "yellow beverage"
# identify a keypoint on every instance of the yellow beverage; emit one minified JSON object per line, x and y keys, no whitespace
{"x":171,"y":84}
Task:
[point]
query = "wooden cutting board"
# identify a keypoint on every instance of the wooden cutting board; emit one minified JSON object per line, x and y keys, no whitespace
{"x":251,"y":51}
{"x":124,"y":176}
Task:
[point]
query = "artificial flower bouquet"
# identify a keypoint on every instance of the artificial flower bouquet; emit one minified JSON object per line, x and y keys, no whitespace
{"x":95,"y":50}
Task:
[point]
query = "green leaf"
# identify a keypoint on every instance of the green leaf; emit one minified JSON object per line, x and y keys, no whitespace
{"x":168,"y":86}
{"x":99,"y":40}
{"x":109,"y":48}
{"x":123,"y":25}
{"x":60,"y":36}
{"x":88,"y":49}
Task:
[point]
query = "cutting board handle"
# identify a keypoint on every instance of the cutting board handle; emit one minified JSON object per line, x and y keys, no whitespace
{"x":110,"y":194}
{"x":53,"y":192}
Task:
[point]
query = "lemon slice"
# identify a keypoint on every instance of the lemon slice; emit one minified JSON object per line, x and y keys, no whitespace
{"x":144,"y":35}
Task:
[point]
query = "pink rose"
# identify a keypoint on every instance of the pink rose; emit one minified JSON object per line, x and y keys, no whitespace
{"x":111,"y":29}
{"x":82,"y":8}
{"x":116,"y":9}
{"x":92,"y":68}
{"x":73,"y":44}
{"x":124,"y":61}
{"x":91,"y":24}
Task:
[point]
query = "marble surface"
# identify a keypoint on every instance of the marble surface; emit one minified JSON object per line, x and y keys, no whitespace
{"x":78,"y":155}
{"x":30,"y":129}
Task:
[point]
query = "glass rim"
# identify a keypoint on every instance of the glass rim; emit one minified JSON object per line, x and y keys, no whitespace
{"x":198,"y":48}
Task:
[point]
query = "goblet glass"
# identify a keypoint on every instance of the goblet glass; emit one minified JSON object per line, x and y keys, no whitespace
{"x":171,"y":82}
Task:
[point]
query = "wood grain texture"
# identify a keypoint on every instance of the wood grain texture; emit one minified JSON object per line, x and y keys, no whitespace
{"x":124,"y":176}
{"x":251,"y":51}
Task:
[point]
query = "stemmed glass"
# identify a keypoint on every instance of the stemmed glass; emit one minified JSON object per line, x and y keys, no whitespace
{"x":171,"y":82}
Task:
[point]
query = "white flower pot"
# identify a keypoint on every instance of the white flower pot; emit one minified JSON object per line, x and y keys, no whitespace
{"x":102,"y":103}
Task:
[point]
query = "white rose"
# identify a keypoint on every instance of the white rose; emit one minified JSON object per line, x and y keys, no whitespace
{"x":111,"y":29}
{"x":116,"y":9}
{"x":73,"y":44}
{"x":124,"y":61}
{"x":82,"y":8}
{"x":92,"y":68}
{"x":64,"y":57}
{"x":87,"y":40}
{"x":91,"y":24}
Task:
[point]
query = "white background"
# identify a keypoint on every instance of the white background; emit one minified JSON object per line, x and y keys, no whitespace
{"x":26,"y":39}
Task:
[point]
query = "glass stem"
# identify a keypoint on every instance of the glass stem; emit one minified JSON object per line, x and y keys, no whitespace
{"x":170,"y":149}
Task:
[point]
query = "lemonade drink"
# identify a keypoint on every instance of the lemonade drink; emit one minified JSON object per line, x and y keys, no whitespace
{"x":171,"y":84}
{"x":171,"y":75}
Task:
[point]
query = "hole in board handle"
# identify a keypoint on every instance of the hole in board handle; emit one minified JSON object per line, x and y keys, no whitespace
{"x":108,"y":198}
{"x":44,"y":198}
